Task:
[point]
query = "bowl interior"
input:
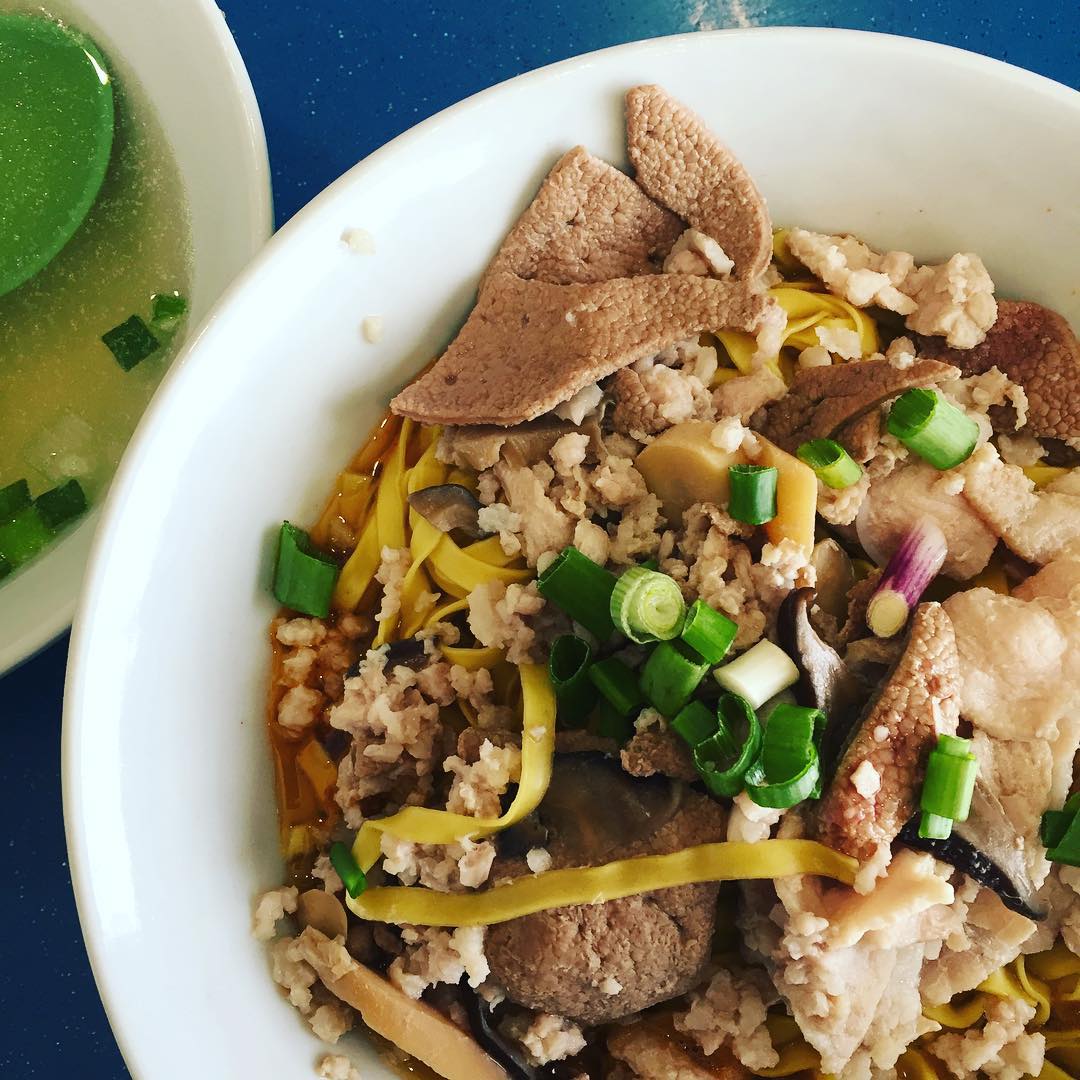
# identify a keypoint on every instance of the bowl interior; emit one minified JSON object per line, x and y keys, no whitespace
{"x":213,"y":124}
{"x":168,"y":792}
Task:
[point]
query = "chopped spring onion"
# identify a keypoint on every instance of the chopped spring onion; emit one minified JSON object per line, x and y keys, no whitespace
{"x":730,"y":861}
{"x":618,"y":684}
{"x":647,"y":606}
{"x":568,"y":669}
{"x":708,"y":632}
{"x":577,"y":586}
{"x":789,"y":770}
{"x":934,"y":428}
{"x":671,"y":675}
{"x":5,"y":568}
{"x":759,"y":674}
{"x":753,"y":493}
{"x":61,"y":504}
{"x":1055,"y":823}
{"x":131,"y":342}
{"x":13,"y":498}
{"x":352,"y":877}
{"x":1060,"y":833}
{"x":913,"y":565}
{"x":948,"y":787}
{"x":695,"y":723}
{"x":166,"y":311}
{"x":23,"y":537}
{"x":724,"y":759}
{"x":303,"y":579}
{"x":609,"y":723}
{"x":833,"y":465}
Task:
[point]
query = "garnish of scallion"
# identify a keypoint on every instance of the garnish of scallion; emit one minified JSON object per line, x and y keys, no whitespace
{"x":933,"y":428}
{"x":671,"y":675}
{"x":753,"y":493}
{"x":568,"y":667}
{"x":1060,"y":832}
{"x":580,"y":588}
{"x":166,"y":311}
{"x":61,"y":504}
{"x":788,"y":770}
{"x":724,"y":758}
{"x":948,"y":787}
{"x":647,"y":606}
{"x":618,"y":685}
{"x":759,"y":673}
{"x":13,"y":498}
{"x":833,"y":465}
{"x":707,"y":632}
{"x":352,"y":877}
{"x":303,"y":579}
{"x":131,"y":342}
{"x":913,"y":565}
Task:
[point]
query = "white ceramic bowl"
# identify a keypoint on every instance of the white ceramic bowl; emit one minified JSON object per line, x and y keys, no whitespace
{"x":168,"y":796}
{"x":212,"y":121}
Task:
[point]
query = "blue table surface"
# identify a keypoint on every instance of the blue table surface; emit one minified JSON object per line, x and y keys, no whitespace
{"x":335,"y":80}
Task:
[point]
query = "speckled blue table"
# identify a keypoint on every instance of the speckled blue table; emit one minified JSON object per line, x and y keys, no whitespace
{"x":336,"y":79}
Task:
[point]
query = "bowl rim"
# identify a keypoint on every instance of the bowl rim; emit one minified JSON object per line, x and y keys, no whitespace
{"x":76,"y":713}
{"x":252,"y":159}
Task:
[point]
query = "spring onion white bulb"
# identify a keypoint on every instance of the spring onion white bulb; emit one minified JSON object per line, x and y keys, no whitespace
{"x":759,"y":674}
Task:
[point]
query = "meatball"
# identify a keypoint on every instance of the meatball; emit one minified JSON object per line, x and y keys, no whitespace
{"x":594,"y":963}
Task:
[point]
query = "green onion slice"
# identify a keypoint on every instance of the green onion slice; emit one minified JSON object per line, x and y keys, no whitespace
{"x":789,"y":769}
{"x":61,"y":504}
{"x":23,"y":537}
{"x":303,"y":579}
{"x":580,"y":588}
{"x":1055,"y":823}
{"x":352,"y":877}
{"x":1067,"y":848}
{"x":647,"y":606}
{"x":834,"y":466}
{"x":724,"y":759}
{"x":609,"y":723}
{"x":759,"y":673}
{"x":708,"y":632}
{"x":166,"y":311}
{"x":13,"y":498}
{"x":131,"y":342}
{"x":753,"y":493}
{"x":948,"y":787}
{"x":671,"y":675}
{"x":618,"y":684}
{"x":568,"y":666}
{"x":933,"y":428}
{"x":695,"y":723}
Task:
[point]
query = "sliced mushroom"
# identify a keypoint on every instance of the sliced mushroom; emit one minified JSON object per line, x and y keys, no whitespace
{"x":413,"y":1026}
{"x":449,"y":507}
{"x":592,"y":807}
{"x":508,"y":1053}
{"x":322,"y":910}
{"x":984,"y":848}
{"x":824,"y":679}
{"x":835,"y":577}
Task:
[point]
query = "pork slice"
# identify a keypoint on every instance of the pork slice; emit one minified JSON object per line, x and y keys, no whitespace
{"x":1037,"y":525}
{"x":684,"y":167}
{"x":528,"y":346}
{"x":821,"y":400}
{"x":916,"y":490}
{"x":589,"y":222}
{"x":919,"y":700}
{"x":992,"y":936}
{"x":1035,"y":347}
